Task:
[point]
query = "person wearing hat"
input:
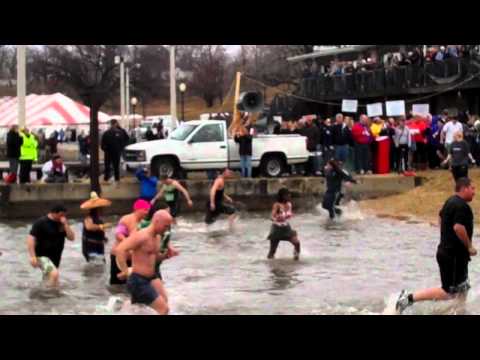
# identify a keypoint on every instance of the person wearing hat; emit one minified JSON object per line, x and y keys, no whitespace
{"x":93,"y":235}
{"x":28,"y":155}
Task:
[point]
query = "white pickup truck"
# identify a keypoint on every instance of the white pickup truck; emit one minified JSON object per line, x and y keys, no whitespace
{"x":204,"y":145}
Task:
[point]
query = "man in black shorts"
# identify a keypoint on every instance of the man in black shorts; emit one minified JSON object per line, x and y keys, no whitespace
{"x":46,"y":242}
{"x":215,"y":205}
{"x":454,"y":251}
{"x":144,"y":283}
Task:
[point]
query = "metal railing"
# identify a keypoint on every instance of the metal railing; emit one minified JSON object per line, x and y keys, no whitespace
{"x":390,"y":81}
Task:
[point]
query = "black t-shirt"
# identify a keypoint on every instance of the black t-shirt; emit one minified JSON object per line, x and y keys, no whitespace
{"x":455,"y":211}
{"x":459,"y":152}
{"x":49,"y":239}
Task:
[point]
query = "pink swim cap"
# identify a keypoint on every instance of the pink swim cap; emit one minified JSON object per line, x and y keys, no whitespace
{"x":141,"y":204}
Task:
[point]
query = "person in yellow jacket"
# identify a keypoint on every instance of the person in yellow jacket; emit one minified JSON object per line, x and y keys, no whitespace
{"x":28,"y":155}
{"x":376,"y":127}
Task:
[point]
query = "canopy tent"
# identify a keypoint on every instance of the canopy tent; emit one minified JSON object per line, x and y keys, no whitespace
{"x":56,"y":110}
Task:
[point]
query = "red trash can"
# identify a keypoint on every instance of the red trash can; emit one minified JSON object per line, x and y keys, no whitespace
{"x":382,"y":161}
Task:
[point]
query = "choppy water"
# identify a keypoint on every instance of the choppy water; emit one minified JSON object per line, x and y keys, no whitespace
{"x":354,"y":266}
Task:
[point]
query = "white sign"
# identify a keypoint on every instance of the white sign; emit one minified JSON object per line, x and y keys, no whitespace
{"x":421,"y":109}
{"x":395,"y":108}
{"x":375,"y":109}
{"x":350,"y":106}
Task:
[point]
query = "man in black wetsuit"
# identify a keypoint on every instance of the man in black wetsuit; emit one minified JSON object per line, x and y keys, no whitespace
{"x":335,"y":176}
{"x":215,"y":205}
{"x":454,"y":251}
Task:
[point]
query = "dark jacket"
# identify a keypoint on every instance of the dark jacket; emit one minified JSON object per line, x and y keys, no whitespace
{"x":14,"y":143}
{"x":114,"y":140}
{"x":341,"y":134}
{"x":327,"y":136}
{"x":245,"y":143}
{"x":313,"y":134}
{"x":84,"y":144}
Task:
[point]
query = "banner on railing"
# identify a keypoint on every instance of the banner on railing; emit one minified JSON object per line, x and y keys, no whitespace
{"x":375,"y":109}
{"x":349,"y":106}
{"x":395,"y":108}
{"x":421,"y":109}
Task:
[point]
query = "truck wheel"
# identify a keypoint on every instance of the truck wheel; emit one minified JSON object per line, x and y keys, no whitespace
{"x":273,"y":166}
{"x":165,"y":166}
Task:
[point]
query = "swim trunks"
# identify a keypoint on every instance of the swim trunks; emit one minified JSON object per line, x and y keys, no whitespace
{"x":141,"y":289}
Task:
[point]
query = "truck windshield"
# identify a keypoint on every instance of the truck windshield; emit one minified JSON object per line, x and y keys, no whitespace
{"x":182,"y":132}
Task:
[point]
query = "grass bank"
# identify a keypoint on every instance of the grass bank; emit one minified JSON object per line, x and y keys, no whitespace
{"x":424,"y":202}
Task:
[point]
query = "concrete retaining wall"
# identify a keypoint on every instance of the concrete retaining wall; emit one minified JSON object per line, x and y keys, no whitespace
{"x":27,"y":201}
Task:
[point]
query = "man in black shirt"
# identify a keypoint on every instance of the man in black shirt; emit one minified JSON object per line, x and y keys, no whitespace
{"x":341,"y":136}
{"x":454,"y":251}
{"x":14,"y":143}
{"x":46,"y":241}
{"x":114,"y":141}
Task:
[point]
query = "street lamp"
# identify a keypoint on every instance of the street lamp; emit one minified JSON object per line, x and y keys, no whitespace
{"x":183,"y":88}
{"x":134,"y":103}
{"x":120,"y":61}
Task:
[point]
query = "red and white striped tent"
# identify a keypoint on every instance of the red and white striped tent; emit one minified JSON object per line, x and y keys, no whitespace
{"x":56,"y":110}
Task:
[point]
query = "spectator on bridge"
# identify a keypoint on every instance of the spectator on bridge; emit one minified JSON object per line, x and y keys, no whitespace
{"x":341,"y":136}
{"x":28,"y":155}
{"x":113,"y":142}
{"x":362,"y":138}
{"x":54,"y":171}
{"x":452,"y":51}
{"x":440,"y":54}
{"x":14,"y":143}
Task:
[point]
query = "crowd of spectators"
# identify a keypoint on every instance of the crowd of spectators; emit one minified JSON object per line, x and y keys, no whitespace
{"x":416,"y":57}
{"x":417,"y":142}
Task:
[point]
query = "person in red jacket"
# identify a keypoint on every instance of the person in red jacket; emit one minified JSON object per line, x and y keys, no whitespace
{"x":362,"y":137}
{"x":419,"y":128}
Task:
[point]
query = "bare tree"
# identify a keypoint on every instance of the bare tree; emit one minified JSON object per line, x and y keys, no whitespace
{"x":90,"y":71}
{"x":208,"y":71}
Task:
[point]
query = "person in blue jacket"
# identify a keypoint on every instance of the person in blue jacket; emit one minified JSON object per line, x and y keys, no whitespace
{"x":148,"y":184}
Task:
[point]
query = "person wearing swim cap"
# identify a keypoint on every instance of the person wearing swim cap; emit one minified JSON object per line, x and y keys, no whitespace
{"x":281,"y":230}
{"x":215,"y":205}
{"x":126,"y":227}
{"x":143,"y":284}
{"x":46,"y":242}
{"x":169,"y":192}
{"x":335,"y":176}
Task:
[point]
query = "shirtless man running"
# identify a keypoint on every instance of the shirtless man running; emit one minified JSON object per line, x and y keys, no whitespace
{"x":126,"y":227}
{"x":143,"y":283}
{"x":215,"y":205}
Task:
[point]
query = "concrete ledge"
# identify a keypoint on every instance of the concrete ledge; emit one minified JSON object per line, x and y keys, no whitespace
{"x":26,"y":201}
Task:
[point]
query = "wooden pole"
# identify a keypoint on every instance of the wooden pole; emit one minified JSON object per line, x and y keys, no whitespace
{"x":233,"y":125}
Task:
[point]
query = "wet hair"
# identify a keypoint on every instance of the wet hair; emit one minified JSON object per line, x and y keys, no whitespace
{"x":159,"y":205}
{"x":282,"y":195}
{"x":462,"y":183}
{"x":334,"y":164}
{"x":56,"y":157}
{"x":58,"y":209}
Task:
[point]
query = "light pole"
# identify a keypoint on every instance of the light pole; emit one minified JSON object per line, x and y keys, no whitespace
{"x":127,"y":93}
{"x":21,"y":83}
{"x":134,"y":103}
{"x":120,"y":61}
{"x":183,"y":88}
{"x":173,"y":86}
